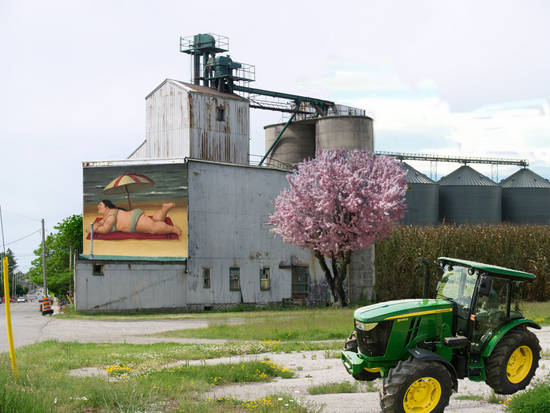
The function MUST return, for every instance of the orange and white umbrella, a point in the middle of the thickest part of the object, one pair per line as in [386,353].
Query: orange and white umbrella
[127,183]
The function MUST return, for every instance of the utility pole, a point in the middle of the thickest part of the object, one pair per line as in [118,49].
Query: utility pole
[44,259]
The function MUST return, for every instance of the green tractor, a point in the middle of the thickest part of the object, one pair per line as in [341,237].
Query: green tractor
[421,347]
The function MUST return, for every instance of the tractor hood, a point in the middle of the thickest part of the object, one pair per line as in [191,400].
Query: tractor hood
[401,308]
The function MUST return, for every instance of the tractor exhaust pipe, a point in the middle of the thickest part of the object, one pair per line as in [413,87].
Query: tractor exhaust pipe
[425,292]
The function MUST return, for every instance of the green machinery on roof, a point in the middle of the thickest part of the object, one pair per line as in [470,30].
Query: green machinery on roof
[227,76]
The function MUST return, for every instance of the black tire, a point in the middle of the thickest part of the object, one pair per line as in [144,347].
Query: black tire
[496,365]
[396,385]
[351,345]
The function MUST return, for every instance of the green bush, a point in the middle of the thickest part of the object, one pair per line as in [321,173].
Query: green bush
[399,269]
[536,399]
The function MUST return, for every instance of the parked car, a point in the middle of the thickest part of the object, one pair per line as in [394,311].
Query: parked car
[21,300]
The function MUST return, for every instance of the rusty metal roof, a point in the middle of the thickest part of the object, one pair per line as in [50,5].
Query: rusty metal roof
[414,176]
[466,176]
[190,87]
[525,178]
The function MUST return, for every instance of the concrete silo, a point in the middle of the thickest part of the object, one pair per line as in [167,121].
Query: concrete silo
[296,144]
[351,132]
[468,197]
[348,132]
[526,198]
[422,198]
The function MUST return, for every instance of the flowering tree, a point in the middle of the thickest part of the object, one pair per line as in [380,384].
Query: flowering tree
[341,201]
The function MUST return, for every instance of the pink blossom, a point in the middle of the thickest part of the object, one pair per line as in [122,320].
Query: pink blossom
[341,201]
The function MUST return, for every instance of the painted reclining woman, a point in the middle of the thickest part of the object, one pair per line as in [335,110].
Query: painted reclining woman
[119,219]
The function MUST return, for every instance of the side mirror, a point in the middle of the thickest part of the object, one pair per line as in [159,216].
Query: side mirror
[485,285]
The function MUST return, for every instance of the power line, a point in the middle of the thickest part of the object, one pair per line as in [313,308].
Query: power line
[22,238]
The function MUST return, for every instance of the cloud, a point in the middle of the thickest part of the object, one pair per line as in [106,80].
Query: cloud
[414,118]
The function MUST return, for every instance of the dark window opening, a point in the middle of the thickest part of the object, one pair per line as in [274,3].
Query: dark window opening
[220,113]
[206,278]
[234,279]
[97,269]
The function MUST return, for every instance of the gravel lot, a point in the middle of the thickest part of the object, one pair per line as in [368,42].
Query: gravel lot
[312,368]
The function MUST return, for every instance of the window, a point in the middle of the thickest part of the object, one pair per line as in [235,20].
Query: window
[97,269]
[234,279]
[206,278]
[265,278]
[220,113]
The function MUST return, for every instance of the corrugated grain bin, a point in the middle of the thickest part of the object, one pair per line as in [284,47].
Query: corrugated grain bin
[469,197]
[526,198]
[296,144]
[422,198]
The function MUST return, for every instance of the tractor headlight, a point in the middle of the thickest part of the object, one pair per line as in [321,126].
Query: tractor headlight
[365,326]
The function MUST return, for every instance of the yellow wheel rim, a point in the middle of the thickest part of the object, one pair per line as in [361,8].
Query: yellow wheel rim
[422,396]
[519,364]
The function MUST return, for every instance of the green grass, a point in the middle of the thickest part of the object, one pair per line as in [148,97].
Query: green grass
[469,397]
[536,399]
[317,324]
[136,381]
[332,388]
[537,311]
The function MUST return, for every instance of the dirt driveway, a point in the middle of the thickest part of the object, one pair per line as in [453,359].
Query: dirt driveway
[311,368]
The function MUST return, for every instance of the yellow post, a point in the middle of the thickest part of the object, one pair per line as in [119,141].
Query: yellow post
[8,318]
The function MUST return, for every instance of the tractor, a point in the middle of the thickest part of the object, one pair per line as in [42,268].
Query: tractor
[420,347]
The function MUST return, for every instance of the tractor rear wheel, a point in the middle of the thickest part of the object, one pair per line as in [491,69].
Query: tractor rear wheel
[365,375]
[415,386]
[513,362]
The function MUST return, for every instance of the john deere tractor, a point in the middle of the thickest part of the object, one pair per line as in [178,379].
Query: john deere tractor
[421,347]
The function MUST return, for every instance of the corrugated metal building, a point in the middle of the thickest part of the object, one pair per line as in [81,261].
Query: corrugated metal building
[526,198]
[422,198]
[231,258]
[188,120]
[469,197]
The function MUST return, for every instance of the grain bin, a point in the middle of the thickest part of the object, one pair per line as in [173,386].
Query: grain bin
[296,144]
[348,132]
[468,197]
[526,198]
[422,198]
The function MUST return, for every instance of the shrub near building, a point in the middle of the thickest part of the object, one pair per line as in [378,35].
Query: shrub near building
[400,272]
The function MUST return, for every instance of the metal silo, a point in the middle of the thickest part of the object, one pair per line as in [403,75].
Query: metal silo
[526,198]
[468,197]
[349,132]
[422,198]
[296,144]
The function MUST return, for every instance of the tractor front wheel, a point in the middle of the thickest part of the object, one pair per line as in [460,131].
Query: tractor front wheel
[513,362]
[415,386]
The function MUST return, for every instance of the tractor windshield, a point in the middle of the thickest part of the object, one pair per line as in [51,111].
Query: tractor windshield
[457,284]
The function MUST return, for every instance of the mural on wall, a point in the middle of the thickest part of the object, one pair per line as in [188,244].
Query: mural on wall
[136,210]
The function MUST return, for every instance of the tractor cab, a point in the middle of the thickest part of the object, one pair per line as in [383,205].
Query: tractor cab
[484,297]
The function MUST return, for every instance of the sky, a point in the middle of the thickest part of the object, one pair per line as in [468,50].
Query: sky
[465,78]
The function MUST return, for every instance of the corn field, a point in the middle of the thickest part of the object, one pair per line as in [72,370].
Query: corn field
[400,272]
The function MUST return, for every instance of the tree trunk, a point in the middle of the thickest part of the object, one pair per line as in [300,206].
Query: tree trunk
[336,277]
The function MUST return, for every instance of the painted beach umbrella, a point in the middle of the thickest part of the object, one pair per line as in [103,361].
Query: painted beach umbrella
[124,184]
